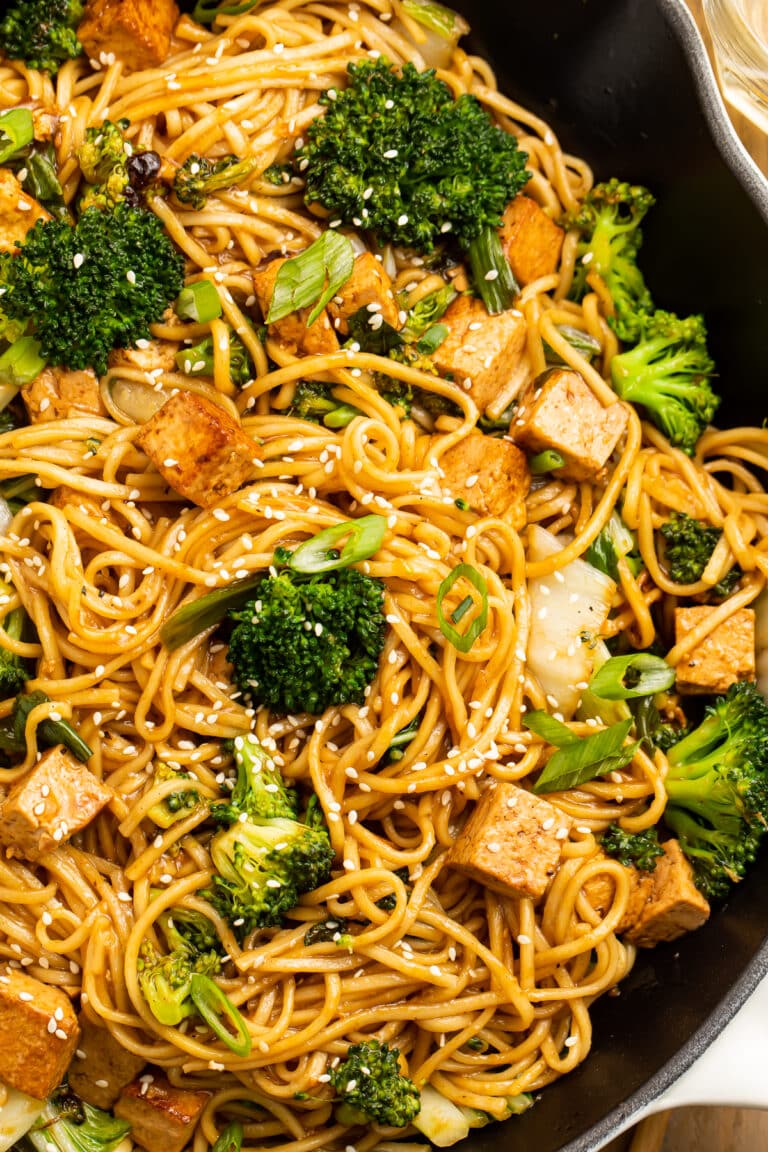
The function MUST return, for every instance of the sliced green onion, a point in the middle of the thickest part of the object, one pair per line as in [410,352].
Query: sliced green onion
[463,640]
[312,277]
[21,363]
[628,677]
[585,344]
[492,276]
[199,301]
[206,11]
[342,416]
[320,554]
[16,131]
[49,732]
[546,461]
[581,760]
[230,1139]
[428,310]
[218,1011]
[42,181]
[552,730]
[197,360]
[432,339]
[199,615]
[461,610]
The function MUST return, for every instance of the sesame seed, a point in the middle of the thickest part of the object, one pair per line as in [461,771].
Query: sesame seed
[492,274]
[523,939]
[78,260]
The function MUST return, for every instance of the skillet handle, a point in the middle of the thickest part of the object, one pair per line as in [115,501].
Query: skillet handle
[732,1071]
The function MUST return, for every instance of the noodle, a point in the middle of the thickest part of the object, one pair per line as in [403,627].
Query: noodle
[99,572]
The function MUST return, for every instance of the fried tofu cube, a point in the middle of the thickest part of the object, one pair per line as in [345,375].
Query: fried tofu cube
[369,287]
[292,331]
[561,412]
[490,474]
[152,354]
[480,348]
[512,842]
[162,1117]
[40,1034]
[664,904]
[56,799]
[101,1066]
[531,240]
[726,655]
[198,448]
[63,394]
[137,32]
[18,212]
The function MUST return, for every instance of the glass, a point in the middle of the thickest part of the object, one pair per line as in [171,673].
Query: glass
[739,31]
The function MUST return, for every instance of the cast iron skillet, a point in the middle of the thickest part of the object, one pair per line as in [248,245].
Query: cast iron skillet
[617,79]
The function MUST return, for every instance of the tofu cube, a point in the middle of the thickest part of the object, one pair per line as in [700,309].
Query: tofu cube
[480,348]
[18,212]
[562,412]
[531,240]
[137,32]
[40,1034]
[198,448]
[292,331]
[664,904]
[62,394]
[726,655]
[162,1117]
[56,799]
[151,356]
[101,1067]
[369,284]
[490,474]
[512,842]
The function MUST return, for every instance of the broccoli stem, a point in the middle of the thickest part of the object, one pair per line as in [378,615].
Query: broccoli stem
[491,274]
[20,364]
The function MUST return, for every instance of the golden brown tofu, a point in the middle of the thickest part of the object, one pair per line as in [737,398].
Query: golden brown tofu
[162,1117]
[198,448]
[599,890]
[562,412]
[512,842]
[292,331]
[18,212]
[369,287]
[148,357]
[56,799]
[482,349]
[136,32]
[726,655]
[45,120]
[490,474]
[62,394]
[101,1067]
[40,1033]
[665,903]
[531,240]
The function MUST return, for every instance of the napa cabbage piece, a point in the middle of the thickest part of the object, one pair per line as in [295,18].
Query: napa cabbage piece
[567,612]
[18,1113]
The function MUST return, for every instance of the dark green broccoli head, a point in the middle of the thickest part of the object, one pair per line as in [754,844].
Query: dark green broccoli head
[198,359]
[640,849]
[305,643]
[372,1089]
[199,178]
[92,287]
[166,981]
[395,153]
[668,372]
[688,546]
[610,218]
[262,869]
[42,33]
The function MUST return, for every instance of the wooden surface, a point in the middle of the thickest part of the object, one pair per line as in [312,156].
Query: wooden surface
[707,1129]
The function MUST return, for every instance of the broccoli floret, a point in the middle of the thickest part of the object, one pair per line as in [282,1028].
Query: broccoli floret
[42,33]
[668,374]
[92,287]
[717,788]
[688,546]
[398,152]
[259,788]
[305,643]
[610,219]
[13,670]
[197,360]
[315,402]
[103,158]
[263,867]
[640,849]
[189,930]
[176,805]
[68,1124]
[372,1089]
[199,178]
[331,931]
[428,311]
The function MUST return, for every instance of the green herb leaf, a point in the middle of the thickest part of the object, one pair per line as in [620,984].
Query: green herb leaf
[463,640]
[550,729]
[584,759]
[312,277]
[362,538]
[627,677]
